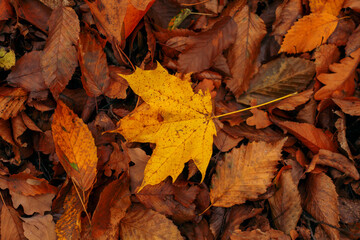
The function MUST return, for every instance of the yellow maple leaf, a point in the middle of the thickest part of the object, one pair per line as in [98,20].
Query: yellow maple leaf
[309,32]
[175,118]
[326,6]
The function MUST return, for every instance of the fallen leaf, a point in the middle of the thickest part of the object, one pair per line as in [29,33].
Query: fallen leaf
[326,6]
[309,32]
[349,210]
[353,4]
[199,231]
[7,58]
[27,73]
[342,32]
[353,42]
[286,203]
[202,49]
[257,234]
[11,225]
[53,4]
[349,106]
[289,104]
[134,13]
[6,10]
[224,141]
[140,158]
[245,174]
[279,78]
[92,60]
[337,161]
[5,131]
[59,59]
[312,137]
[321,202]
[74,146]
[111,208]
[341,82]
[183,131]
[118,162]
[259,119]
[324,56]
[340,125]
[118,85]
[68,226]
[11,101]
[39,227]
[243,53]
[146,224]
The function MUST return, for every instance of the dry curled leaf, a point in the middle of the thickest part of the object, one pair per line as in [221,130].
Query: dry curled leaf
[11,101]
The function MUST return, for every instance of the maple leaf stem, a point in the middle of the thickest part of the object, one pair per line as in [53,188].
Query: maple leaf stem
[256,106]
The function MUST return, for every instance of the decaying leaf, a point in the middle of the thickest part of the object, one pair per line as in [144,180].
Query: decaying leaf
[39,227]
[326,6]
[324,56]
[309,32]
[349,106]
[341,82]
[243,53]
[286,203]
[354,41]
[279,78]
[245,173]
[11,226]
[321,202]
[257,234]
[11,101]
[176,119]
[59,59]
[146,224]
[74,146]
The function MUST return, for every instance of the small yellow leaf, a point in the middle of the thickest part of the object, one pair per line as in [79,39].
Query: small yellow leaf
[309,32]
[326,6]
[175,118]
[7,59]
[75,146]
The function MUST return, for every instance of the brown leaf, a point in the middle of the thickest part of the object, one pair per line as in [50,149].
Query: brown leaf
[354,4]
[11,225]
[6,10]
[199,231]
[349,210]
[57,3]
[68,226]
[286,203]
[312,137]
[286,14]
[259,119]
[118,162]
[140,158]
[27,73]
[111,208]
[289,104]
[109,17]
[257,234]
[321,202]
[341,82]
[5,131]
[324,56]
[11,102]
[34,12]
[146,224]
[118,85]
[338,161]
[243,54]
[39,228]
[342,32]
[353,42]
[329,6]
[340,125]
[203,48]
[224,141]
[92,60]
[59,59]
[18,128]
[349,106]
[245,174]
[74,146]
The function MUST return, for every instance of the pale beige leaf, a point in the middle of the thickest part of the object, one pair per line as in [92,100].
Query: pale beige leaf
[246,173]
[326,6]
[341,82]
[59,59]
[309,32]
[322,203]
[243,53]
[33,204]
[39,228]
[286,203]
[145,224]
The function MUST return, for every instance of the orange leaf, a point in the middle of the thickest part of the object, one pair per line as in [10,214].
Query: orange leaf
[341,82]
[134,13]
[11,101]
[59,59]
[309,32]
[259,119]
[349,106]
[326,6]
[246,173]
[74,146]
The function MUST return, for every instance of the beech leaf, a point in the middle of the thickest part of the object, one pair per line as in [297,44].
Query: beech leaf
[175,118]
[11,101]
[278,78]
[326,6]
[309,32]
[245,173]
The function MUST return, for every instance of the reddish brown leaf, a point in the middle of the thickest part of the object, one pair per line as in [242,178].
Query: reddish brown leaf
[18,128]
[6,11]
[118,85]
[113,203]
[5,131]
[342,32]
[224,141]
[259,119]
[259,235]
[349,210]
[11,102]
[33,11]
[354,4]
[324,56]
[200,231]
[93,64]
[11,225]
[134,13]
[243,54]
[39,227]
[59,59]
[285,204]
[146,224]
[291,103]
[321,202]
[203,48]
[349,106]
[312,137]
[27,73]
[340,125]
[118,162]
